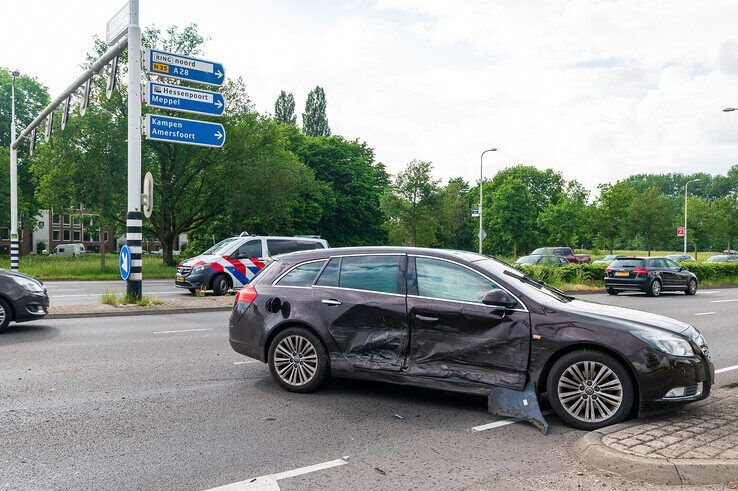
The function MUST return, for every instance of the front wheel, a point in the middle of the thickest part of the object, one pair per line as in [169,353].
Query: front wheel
[220,285]
[298,361]
[590,389]
[691,287]
[5,315]
[654,290]
[612,291]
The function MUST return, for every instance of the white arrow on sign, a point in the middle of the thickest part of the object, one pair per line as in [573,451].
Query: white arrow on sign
[218,135]
[219,74]
[124,266]
[218,104]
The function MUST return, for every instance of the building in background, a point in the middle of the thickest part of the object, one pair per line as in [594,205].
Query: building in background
[68,227]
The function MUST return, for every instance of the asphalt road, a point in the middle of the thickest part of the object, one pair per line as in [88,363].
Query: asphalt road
[88,292]
[162,402]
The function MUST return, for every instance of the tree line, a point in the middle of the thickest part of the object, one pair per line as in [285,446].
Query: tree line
[274,177]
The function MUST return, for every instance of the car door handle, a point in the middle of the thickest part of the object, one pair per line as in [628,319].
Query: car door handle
[426,318]
[331,301]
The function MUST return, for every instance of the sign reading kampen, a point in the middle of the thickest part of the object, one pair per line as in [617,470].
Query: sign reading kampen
[188,131]
[184,67]
[184,99]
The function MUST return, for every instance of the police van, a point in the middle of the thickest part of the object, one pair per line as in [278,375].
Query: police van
[233,262]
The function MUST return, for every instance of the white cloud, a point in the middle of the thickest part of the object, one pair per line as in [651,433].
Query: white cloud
[594,89]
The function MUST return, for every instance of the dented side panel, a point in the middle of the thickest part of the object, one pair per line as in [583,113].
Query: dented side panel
[468,342]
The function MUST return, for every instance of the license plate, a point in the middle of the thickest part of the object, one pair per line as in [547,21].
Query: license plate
[180,280]
[622,273]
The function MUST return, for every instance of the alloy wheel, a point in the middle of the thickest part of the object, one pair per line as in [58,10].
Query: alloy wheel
[295,360]
[590,391]
[692,287]
[3,314]
[656,288]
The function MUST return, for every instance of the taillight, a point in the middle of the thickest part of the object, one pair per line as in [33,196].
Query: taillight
[640,270]
[247,294]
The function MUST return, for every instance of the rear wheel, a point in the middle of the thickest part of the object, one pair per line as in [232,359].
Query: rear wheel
[5,315]
[654,289]
[193,290]
[221,284]
[590,389]
[691,287]
[298,361]
[613,291]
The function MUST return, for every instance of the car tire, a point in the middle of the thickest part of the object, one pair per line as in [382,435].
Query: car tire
[654,288]
[193,291]
[298,361]
[221,284]
[6,314]
[691,287]
[612,291]
[577,394]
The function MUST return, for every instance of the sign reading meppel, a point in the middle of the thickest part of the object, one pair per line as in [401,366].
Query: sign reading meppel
[185,99]
[188,131]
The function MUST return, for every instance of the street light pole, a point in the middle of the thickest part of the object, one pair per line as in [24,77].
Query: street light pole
[13,183]
[686,185]
[481,181]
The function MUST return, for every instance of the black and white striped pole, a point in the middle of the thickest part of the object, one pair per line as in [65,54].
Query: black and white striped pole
[134,225]
[13,184]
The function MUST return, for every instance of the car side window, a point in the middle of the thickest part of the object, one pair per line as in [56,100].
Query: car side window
[445,280]
[373,273]
[281,246]
[671,264]
[563,252]
[329,276]
[304,245]
[302,275]
[249,249]
[563,261]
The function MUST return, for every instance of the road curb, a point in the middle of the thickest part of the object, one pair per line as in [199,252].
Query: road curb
[594,453]
[127,313]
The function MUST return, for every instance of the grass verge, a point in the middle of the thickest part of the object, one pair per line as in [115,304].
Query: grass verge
[85,268]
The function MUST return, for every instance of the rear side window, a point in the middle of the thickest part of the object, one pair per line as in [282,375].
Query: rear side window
[302,275]
[303,245]
[373,273]
[626,263]
[449,281]
[564,251]
[329,277]
[281,246]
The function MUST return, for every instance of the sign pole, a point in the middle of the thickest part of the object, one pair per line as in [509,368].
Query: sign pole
[13,185]
[134,225]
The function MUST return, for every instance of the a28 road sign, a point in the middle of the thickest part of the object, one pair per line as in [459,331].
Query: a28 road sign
[180,130]
[184,68]
[184,99]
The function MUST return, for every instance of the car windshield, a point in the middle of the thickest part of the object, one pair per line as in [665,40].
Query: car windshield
[541,251]
[627,263]
[609,257]
[531,287]
[529,259]
[220,246]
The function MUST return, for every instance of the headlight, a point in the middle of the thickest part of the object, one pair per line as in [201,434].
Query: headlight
[30,285]
[199,268]
[668,343]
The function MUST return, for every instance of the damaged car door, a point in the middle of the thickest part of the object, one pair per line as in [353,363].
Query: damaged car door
[363,303]
[455,336]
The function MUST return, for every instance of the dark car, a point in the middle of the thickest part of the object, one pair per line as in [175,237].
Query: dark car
[541,260]
[651,275]
[722,259]
[22,298]
[464,322]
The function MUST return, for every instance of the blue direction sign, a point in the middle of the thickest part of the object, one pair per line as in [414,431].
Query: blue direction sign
[180,130]
[124,262]
[184,67]
[184,99]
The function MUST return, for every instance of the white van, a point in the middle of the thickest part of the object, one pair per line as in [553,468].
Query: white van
[69,250]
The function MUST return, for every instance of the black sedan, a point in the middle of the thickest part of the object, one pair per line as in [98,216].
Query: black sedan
[22,298]
[464,322]
[651,275]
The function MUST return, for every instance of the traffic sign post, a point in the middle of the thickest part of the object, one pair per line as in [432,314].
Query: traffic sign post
[124,262]
[188,131]
[184,99]
[187,68]
[680,231]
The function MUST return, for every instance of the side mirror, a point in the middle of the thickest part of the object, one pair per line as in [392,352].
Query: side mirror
[499,298]
[681,268]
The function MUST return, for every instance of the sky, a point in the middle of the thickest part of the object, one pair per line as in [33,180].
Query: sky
[596,90]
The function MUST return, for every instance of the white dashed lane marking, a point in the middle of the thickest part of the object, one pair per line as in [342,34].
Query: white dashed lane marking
[269,482]
[503,422]
[181,330]
[727,369]
[726,300]
[705,313]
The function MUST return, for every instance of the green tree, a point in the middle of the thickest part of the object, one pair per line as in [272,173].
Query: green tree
[284,108]
[698,223]
[456,226]
[411,206]
[314,119]
[509,222]
[649,218]
[610,217]
[724,221]
[352,184]
[564,222]
[30,98]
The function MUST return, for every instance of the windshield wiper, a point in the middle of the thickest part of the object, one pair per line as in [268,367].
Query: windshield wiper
[538,284]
